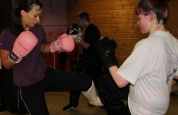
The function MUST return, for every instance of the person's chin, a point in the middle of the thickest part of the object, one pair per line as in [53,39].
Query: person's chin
[143,32]
[33,25]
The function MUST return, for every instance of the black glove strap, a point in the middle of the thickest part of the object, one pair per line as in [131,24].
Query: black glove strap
[14,57]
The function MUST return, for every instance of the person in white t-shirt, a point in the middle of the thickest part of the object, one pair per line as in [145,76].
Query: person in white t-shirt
[148,71]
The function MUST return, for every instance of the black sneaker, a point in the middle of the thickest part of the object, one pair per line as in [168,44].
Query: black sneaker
[69,107]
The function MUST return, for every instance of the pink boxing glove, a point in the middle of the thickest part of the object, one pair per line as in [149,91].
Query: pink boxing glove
[64,43]
[23,45]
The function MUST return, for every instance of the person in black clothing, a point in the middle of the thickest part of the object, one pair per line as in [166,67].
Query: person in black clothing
[90,64]
[2,104]
[20,50]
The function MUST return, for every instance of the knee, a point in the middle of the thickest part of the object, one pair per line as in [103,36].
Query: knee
[87,82]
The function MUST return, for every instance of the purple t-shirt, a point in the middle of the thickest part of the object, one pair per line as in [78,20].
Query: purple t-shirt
[32,67]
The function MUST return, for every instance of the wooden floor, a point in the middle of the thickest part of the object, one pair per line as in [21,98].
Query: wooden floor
[57,100]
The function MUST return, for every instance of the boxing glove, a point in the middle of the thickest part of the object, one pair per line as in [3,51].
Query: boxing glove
[79,35]
[64,43]
[79,29]
[76,32]
[105,50]
[23,45]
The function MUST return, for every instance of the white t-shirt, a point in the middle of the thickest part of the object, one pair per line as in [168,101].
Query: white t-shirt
[150,70]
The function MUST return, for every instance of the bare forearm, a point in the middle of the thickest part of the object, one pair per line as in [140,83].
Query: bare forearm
[84,44]
[45,48]
[119,80]
[6,62]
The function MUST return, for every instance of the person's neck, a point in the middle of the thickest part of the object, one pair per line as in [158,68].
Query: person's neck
[87,24]
[158,27]
[27,28]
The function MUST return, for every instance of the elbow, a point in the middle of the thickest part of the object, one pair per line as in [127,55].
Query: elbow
[7,67]
[122,84]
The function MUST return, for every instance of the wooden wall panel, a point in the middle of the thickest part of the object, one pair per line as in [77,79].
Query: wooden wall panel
[116,19]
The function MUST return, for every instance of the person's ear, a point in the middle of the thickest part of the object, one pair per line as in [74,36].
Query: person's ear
[151,16]
[22,12]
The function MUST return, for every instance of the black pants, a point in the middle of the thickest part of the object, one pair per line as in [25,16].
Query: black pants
[12,100]
[112,97]
[2,104]
[33,96]
[94,74]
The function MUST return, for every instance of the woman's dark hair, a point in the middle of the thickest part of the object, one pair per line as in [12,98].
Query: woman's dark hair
[159,7]
[83,15]
[25,5]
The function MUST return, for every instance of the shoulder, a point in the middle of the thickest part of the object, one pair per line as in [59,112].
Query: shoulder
[37,29]
[39,32]
[39,26]
[6,33]
[151,40]
[93,27]
[7,39]
[153,43]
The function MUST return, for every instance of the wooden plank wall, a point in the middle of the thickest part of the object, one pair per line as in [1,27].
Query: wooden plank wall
[116,19]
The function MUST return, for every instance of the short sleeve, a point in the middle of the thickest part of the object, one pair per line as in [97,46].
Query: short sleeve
[6,40]
[135,65]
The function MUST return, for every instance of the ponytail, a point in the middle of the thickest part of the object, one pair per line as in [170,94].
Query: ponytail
[17,27]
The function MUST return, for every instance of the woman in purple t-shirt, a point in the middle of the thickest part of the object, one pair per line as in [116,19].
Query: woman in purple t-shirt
[30,73]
